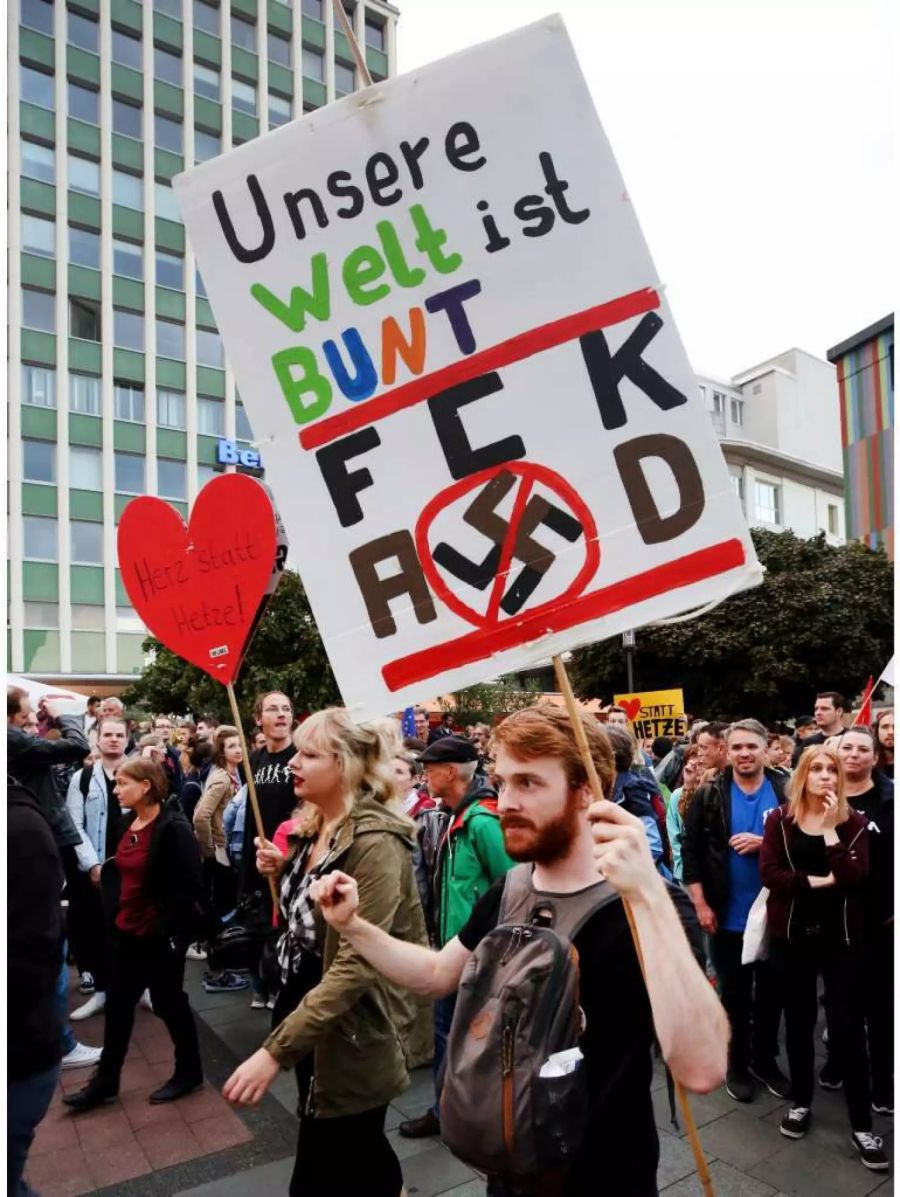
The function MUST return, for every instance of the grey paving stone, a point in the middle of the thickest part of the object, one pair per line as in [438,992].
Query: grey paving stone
[740,1140]
[675,1160]
[419,1096]
[256,1182]
[406,1148]
[816,1173]
[434,1172]
[727,1182]
[471,1188]
[705,1107]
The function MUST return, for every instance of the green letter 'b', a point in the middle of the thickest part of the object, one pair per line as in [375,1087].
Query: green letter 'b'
[310,382]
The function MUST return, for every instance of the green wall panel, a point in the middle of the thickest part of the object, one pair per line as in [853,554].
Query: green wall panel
[41,651]
[377,62]
[207,114]
[126,82]
[128,365]
[38,272]
[279,17]
[244,127]
[170,375]
[210,382]
[127,152]
[86,504]
[84,282]
[85,356]
[39,422]
[126,13]
[313,32]
[91,6]
[170,304]
[166,164]
[87,584]
[84,210]
[37,197]
[314,93]
[167,30]
[169,235]
[85,430]
[128,293]
[122,599]
[207,48]
[38,347]
[38,500]
[131,438]
[342,48]
[129,653]
[40,581]
[170,443]
[181,508]
[280,79]
[88,651]
[168,98]
[83,137]
[245,8]
[128,223]
[206,450]
[204,314]
[120,502]
[38,123]
[35,48]
[244,64]
[82,65]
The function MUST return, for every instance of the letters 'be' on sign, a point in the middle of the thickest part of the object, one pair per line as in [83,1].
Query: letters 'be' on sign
[655,713]
[479,423]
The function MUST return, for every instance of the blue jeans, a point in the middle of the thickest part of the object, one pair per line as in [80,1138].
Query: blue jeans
[69,1042]
[443,1018]
[27,1102]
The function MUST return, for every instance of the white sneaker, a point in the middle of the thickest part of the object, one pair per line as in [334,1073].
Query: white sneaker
[94,1005]
[196,951]
[270,1004]
[145,1000]
[81,1056]
[257,1002]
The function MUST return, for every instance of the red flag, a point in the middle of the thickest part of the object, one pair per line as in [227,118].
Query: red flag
[864,718]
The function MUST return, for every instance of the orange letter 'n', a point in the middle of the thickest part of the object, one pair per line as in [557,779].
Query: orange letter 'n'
[394,343]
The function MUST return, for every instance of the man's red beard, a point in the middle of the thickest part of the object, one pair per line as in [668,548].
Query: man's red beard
[545,844]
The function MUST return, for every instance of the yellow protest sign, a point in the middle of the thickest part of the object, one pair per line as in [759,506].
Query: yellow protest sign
[655,713]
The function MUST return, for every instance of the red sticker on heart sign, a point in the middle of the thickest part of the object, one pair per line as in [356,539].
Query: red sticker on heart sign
[198,587]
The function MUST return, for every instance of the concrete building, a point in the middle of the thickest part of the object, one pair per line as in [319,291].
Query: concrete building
[117,380]
[865,377]
[780,433]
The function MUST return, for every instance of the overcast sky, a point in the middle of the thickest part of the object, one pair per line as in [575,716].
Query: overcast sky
[755,138]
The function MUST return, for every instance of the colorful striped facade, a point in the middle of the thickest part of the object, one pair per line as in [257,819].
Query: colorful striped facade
[865,375]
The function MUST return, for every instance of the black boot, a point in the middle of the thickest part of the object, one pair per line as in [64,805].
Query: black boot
[98,1090]
[176,1086]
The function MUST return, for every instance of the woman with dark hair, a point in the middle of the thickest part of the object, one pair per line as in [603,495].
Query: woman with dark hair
[336,1020]
[884,738]
[676,812]
[152,891]
[815,861]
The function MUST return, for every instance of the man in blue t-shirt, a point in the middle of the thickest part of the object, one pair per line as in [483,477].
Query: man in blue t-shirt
[720,857]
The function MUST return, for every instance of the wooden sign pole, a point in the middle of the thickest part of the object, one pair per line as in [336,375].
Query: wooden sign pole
[251,784]
[347,29]
[565,688]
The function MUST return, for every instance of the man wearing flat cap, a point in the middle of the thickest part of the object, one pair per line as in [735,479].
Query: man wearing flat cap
[470,858]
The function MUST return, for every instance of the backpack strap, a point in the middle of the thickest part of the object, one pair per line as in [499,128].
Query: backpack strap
[517,894]
[565,913]
[84,781]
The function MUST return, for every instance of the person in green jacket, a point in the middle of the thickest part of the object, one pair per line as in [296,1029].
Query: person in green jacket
[470,858]
[336,1020]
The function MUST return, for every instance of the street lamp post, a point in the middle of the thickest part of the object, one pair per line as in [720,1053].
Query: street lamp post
[628,645]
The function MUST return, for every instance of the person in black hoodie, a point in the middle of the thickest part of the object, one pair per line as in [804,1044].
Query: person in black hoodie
[34,947]
[152,889]
[30,759]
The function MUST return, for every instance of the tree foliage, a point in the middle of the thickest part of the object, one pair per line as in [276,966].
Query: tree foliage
[821,620]
[488,701]
[286,653]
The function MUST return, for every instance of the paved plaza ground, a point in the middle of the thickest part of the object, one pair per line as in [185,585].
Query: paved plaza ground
[201,1147]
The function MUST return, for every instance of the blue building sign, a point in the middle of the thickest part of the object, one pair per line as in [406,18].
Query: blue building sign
[229,453]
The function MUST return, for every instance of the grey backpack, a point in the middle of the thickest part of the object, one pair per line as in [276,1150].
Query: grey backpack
[518,1004]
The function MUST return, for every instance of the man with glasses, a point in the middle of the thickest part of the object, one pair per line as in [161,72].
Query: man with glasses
[163,727]
[274,714]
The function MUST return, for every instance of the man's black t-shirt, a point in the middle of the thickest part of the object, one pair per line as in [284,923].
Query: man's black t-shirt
[621,1147]
[277,802]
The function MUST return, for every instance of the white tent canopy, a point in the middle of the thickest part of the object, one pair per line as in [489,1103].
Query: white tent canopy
[37,691]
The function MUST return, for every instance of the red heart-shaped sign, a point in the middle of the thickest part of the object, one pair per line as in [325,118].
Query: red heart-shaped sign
[198,588]
[631,706]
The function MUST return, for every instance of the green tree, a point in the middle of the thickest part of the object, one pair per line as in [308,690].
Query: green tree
[821,620]
[487,701]
[286,653]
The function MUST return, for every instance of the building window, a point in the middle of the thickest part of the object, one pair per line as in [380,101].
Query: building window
[206,473]
[84,395]
[166,203]
[41,615]
[768,502]
[166,65]
[171,478]
[171,8]
[243,96]
[211,417]
[83,33]
[169,270]
[168,133]
[84,248]
[86,542]
[129,471]
[84,175]
[128,259]
[243,34]
[37,14]
[126,49]
[199,285]
[36,87]
[206,145]
[242,429]
[314,64]
[833,519]
[279,110]
[126,119]
[206,18]
[38,461]
[128,330]
[209,349]
[312,8]
[38,162]
[84,319]
[127,620]
[129,402]
[718,403]
[39,236]
[41,537]
[737,413]
[88,618]
[85,467]
[375,35]
[344,79]
[702,390]
[170,340]
[38,386]
[757,388]
[170,409]
[38,310]
[738,483]
[84,104]
[206,82]
[128,190]
[279,49]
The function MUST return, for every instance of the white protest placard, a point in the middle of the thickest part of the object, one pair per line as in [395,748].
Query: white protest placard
[476,414]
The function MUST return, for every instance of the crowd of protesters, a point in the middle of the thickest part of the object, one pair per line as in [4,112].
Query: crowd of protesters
[386,864]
